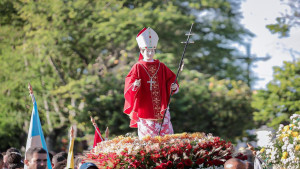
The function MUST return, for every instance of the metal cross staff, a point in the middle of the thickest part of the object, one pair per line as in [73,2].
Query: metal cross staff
[179,68]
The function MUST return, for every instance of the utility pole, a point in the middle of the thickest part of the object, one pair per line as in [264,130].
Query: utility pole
[250,59]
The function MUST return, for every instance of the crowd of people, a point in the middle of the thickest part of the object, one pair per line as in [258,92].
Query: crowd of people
[36,158]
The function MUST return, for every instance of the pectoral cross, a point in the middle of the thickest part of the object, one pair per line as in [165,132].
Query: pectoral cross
[151,82]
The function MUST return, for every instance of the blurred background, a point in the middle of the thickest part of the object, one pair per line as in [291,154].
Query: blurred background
[77,53]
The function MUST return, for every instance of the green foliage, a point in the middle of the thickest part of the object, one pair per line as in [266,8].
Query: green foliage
[216,106]
[280,27]
[289,19]
[281,99]
[76,55]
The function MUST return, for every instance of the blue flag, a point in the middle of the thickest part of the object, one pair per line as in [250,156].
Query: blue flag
[35,133]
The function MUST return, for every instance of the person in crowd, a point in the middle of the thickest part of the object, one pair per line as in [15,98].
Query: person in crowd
[1,161]
[36,158]
[234,163]
[14,160]
[8,151]
[88,166]
[59,157]
[60,165]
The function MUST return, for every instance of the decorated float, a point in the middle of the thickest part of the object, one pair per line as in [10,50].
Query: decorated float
[196,150]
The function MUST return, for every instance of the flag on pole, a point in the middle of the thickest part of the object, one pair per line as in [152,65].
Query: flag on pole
[97,137]
[70,162]
[35,133]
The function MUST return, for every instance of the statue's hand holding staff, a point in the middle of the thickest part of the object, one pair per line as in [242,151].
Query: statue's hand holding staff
[174,86]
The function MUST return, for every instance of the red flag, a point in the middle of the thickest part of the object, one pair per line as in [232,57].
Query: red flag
[98,137]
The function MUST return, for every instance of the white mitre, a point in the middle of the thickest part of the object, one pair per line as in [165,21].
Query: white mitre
[147,39]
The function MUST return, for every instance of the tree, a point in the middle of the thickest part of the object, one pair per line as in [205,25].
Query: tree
[213,106]
[281,99]
[288,19]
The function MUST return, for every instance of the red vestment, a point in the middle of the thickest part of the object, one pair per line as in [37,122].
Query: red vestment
[142,102]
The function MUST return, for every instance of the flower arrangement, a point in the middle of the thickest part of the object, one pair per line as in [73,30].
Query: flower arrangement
[283,152]
[196,150]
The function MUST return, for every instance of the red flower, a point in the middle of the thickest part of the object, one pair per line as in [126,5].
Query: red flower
[180,165]
[142,153]
[218,162]
[189,146]
[169,164]
[136,164]
[210,163]
[188,162]
[200,161]
[157,155]
[163,165]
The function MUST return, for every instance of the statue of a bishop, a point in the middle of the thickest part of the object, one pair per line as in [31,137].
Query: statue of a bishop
[148,86]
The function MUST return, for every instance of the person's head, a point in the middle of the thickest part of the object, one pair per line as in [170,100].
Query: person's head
[148,54]
[60,165]
[88,166]
[19,165]
[8,151]
[77,162]
[14,160]
[12,149]
[36,158]
[249,165]
[234,163]
[1,161]
[61,156]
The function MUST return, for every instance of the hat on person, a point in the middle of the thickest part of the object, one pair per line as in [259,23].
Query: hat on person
[147,38]
[87,165]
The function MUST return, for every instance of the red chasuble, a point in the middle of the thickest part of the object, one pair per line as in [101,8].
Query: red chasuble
[149,101]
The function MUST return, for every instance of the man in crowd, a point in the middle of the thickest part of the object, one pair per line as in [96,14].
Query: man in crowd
[14,161]
[36,158]
[59,157]
[8,151]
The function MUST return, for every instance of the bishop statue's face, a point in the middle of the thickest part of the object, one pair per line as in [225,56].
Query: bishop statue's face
[148,54]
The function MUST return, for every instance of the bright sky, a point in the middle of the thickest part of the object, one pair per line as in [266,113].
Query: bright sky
[257,14]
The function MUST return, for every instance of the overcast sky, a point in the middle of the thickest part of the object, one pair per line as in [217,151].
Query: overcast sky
[257,14]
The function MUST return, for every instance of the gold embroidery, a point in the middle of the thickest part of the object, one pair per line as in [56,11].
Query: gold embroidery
[155,92]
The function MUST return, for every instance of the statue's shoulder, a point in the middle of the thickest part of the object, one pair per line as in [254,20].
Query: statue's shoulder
[161,63]
[136,66]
